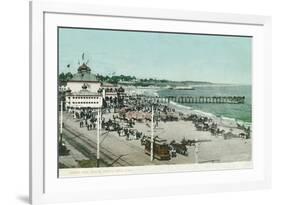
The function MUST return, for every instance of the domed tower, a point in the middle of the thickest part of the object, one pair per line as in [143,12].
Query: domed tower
[83,76]
[84,68]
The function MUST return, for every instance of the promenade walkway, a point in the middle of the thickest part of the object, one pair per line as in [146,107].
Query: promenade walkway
[115,150]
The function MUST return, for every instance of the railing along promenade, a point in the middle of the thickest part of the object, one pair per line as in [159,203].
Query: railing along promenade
[195,99]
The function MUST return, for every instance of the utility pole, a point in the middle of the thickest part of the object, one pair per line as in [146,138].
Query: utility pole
[152,132]
[98,138]
[196,152]
[61,121]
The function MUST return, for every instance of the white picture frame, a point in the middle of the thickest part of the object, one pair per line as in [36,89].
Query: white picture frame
[46,187]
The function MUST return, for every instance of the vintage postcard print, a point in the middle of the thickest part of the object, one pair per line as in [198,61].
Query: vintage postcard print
[151,99]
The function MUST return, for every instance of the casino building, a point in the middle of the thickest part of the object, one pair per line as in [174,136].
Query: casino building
[84,90]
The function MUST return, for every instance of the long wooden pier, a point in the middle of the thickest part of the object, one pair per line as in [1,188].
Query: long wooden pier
[195,99]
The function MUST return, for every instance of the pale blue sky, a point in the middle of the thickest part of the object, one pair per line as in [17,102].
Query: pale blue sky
[218,59]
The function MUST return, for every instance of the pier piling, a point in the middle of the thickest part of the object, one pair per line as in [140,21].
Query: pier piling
[196,99]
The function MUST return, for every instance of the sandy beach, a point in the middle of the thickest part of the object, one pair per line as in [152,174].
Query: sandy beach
[131,153]
[214,149]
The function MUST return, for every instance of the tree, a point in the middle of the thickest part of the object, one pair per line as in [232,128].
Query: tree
[68,76]
[61,76]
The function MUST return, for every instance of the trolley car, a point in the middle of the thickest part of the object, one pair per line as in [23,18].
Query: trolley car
[160,148]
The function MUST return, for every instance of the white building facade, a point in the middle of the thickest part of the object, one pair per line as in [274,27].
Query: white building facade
[83,99]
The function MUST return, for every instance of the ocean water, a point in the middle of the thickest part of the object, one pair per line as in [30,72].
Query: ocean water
[238,112]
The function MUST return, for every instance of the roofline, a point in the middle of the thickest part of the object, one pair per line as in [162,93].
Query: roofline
[84,81]
[73,94]
[110,86]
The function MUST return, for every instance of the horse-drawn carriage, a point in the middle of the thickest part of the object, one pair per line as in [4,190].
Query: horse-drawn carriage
[179,148]
[111,125]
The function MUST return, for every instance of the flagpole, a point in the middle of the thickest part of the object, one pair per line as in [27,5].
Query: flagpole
[152,132]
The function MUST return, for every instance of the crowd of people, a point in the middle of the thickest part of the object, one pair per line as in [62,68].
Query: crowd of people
[134,109]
